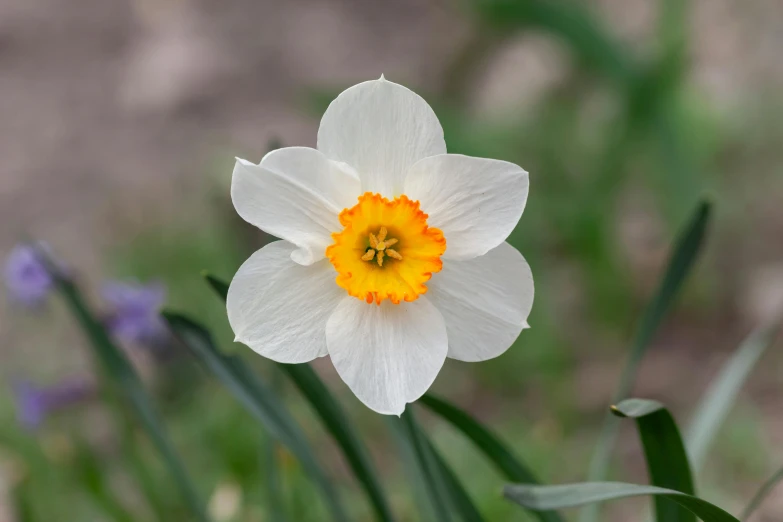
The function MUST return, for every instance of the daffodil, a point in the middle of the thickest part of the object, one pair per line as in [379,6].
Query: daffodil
[392,254]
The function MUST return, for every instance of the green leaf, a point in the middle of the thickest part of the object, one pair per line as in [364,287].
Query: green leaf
[680,265]
[437,492]
[218,285]
[444,490]
[762,493]
[682,261]
[570,21]
[574,495]
[259,400]
[414,479]
[717,401]
[667,462]
[334,419]
[509,465]
[460,499]
[123,377]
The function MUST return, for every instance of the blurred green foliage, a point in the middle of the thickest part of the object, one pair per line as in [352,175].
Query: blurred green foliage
[653,133]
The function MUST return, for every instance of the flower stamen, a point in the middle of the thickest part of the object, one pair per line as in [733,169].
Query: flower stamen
[386,250]
[379,247]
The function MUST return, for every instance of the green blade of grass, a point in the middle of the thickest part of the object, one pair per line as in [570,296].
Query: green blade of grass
[680,265]
[683,258]
[762,494]
[124,379]
[337,423]
[488,443]
[437,489]
[334,419]
[574,495]
[717,401]
[275,476]
[218,285]
[459,497]
[415,481]
[259,400]
[664,451]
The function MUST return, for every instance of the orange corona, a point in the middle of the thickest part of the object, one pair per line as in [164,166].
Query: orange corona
[386,250]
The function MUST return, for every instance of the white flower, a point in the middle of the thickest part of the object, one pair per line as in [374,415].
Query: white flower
[377,211]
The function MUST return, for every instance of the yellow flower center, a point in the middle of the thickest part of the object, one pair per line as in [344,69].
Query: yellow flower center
[367,265]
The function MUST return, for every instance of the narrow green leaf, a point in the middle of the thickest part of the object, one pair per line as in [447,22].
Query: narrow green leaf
[218,285]
[334,419]
[122,375]
[488,443]
[460,499]
[259,400]
[414,479]
[762,493]
[667,462]
[485,440]
[436,488]
[275,476]
[680,265]
[717,401]
[270,463]
[574,495]
[682,261]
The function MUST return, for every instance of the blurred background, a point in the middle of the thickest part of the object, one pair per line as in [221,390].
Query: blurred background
[120,123]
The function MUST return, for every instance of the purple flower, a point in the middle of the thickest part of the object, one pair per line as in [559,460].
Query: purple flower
[134,312]
[26,277]
[34,404]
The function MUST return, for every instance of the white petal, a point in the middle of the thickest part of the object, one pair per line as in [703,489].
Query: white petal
[279,308]
[485,302]
[295,194]
[380,128]
[388,355]
[476,202]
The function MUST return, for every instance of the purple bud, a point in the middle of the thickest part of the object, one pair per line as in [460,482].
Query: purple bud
[34,404]
[26,277]
[134,314]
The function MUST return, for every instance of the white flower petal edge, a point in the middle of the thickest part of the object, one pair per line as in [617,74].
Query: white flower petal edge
[388,355]
[476,202]
[279,308]
[485,302]
[295,194]
[380,128]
